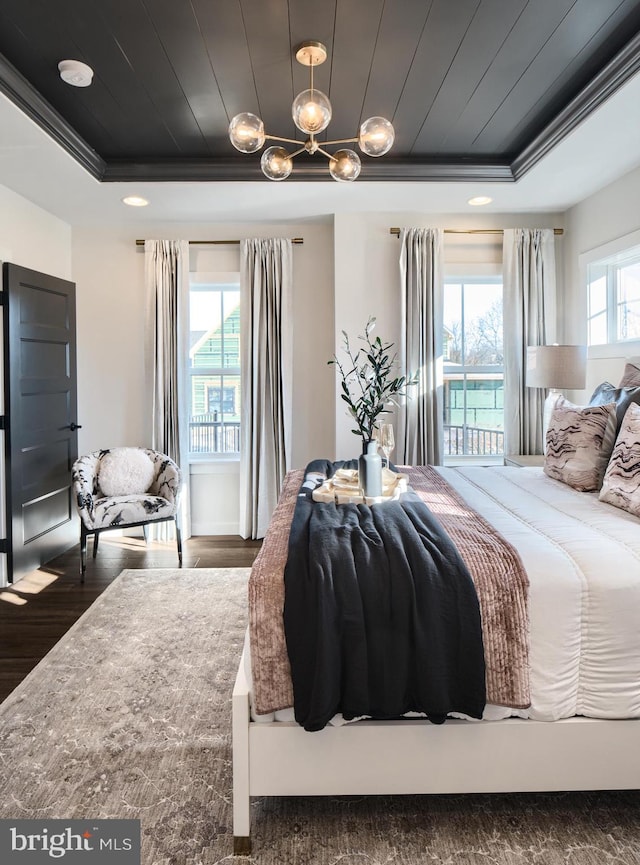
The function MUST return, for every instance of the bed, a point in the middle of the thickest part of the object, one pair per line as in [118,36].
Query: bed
[580,732]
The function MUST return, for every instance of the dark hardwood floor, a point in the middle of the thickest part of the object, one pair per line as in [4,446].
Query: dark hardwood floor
[38,609]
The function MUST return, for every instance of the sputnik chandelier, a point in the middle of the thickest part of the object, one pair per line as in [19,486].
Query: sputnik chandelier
[311,112]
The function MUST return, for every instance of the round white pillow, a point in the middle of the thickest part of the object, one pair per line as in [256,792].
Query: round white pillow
[125,471]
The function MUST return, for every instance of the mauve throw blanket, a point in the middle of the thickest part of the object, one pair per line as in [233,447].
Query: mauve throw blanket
[493,564]
[381,616]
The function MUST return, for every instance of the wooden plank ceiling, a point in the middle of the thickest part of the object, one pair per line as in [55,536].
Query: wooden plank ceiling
[474,88]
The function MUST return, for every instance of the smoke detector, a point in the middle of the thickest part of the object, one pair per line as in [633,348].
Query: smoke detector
[75,73]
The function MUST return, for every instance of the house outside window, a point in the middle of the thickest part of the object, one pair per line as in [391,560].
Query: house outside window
[221,400]
[473,369]
[214,366]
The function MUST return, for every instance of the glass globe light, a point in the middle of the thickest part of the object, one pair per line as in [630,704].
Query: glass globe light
[376,136]
[344,165]
[246,132]
[276,163]
[311,111]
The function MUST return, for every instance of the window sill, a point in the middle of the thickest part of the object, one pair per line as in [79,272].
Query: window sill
[622,348]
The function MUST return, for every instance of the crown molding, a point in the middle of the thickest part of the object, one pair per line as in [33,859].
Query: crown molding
[23,94]
[248,169]
[613,76]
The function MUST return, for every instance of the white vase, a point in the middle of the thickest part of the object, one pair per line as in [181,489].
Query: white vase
[370,471]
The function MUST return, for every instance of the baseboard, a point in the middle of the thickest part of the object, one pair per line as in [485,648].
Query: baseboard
[206,527]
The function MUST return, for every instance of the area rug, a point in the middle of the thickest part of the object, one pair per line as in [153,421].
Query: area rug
[129,716]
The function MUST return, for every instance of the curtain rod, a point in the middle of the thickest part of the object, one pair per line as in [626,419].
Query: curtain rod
[397,231]
[218,242]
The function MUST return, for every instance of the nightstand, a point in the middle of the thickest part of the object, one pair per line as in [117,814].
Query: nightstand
[522,460]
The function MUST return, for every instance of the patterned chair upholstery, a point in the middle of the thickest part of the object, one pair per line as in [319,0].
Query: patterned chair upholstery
[100,512]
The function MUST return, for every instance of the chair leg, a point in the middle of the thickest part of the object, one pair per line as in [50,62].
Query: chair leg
[179,542]
[83,552]
[145,533]
[95,544]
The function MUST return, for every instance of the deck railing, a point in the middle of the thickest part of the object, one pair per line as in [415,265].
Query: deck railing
[210,436]
[472,441]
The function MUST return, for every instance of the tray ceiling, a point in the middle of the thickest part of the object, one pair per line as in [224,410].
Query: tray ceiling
[476,89]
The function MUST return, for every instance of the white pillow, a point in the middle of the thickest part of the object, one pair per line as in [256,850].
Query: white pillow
[125,471]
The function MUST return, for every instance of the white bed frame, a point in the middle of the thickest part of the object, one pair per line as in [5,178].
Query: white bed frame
[387,757]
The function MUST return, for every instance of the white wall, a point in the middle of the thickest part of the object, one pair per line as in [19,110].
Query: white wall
[603,217]
[33,238]
[113,396]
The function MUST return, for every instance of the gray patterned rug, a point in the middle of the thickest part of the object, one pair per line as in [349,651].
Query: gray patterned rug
[129,716]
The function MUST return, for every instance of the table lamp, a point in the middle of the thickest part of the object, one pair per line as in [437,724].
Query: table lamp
[555,368]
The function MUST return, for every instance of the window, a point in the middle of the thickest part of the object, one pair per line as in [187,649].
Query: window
[214,364]
[221,400]
[613,294]
[473,367]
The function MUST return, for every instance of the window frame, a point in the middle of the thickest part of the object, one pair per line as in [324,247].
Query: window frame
[468,274]
[203,280]
[612,256]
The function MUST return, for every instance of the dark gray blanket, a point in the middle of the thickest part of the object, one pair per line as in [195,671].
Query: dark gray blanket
[381,616]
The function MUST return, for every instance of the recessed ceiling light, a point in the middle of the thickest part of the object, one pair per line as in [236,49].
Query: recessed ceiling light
[479,200]
[135,201]
[75,73]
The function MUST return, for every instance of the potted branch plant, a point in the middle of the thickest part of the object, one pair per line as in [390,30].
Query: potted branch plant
[369,382]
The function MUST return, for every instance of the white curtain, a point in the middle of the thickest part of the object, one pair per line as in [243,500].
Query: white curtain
[266,364]
[167,346]
[420,431]
[529,315]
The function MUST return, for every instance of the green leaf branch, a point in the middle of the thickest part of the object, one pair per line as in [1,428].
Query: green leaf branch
[368,380]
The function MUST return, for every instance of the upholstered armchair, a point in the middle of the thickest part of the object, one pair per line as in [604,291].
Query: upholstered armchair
[119,488]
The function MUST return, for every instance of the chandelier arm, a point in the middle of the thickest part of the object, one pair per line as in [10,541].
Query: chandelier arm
[280,138]
[324,153]
[297,152]
[342,141]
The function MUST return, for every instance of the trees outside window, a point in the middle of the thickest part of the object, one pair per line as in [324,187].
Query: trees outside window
[473,367]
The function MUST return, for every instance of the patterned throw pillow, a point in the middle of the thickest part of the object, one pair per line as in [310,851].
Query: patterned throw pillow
[579,442]
[621,485]
[630,376]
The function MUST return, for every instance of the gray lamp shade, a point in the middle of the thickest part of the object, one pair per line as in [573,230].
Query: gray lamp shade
[560,367]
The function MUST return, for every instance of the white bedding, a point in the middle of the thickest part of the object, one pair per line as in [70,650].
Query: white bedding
[582,557]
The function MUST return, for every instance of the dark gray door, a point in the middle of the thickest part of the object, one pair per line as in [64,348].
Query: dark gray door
[40,416]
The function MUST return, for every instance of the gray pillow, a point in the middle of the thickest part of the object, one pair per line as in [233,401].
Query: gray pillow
[621,485]
[621,396]
[579,443]
[630,376]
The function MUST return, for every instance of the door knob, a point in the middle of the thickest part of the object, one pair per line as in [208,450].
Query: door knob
[74,426]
